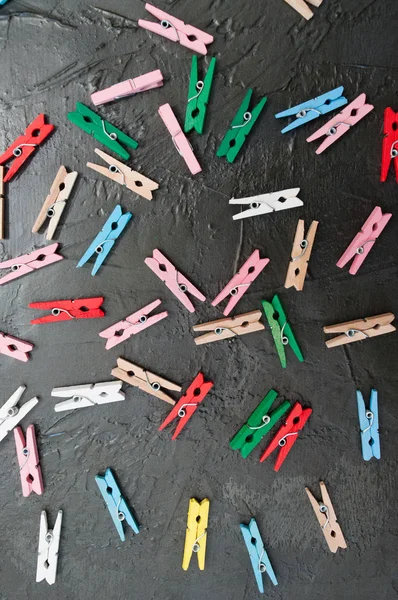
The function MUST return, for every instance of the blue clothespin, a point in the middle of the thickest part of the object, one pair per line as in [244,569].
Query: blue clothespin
[2,2]
[312,109]
[258,556]
[106,238]
[116,503]
[369,424]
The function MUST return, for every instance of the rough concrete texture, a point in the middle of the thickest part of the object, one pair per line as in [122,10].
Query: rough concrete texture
[54,53]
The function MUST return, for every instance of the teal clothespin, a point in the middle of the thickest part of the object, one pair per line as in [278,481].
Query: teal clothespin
[198,97]
[241,126]
[101,130]
[281,330]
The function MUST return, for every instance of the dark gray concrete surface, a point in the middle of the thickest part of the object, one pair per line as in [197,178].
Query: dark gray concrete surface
[54,53]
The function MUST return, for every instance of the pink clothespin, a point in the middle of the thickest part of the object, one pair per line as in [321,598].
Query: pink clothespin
[11,346]
[241,282]
[175,30]
[131,325]
[174,280]
[22,265]
[29,461]
[341,123]
[143,83]
[363,242]
[180,141]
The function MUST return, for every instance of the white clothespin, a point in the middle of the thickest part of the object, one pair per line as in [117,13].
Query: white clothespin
[268,203]
[90,394]
[11,414]
[47,558]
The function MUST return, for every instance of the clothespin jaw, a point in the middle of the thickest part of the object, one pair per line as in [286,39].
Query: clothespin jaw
[241,126]
[15,348]
[67,310]
[179,139]
[196,533]
[116,504]
[188,404]
[223,329]
[258,556]
[47,559]
[281,330]
[11,414]
[326,516]
[369,426]
[22,265]
[260,422]
[267,203]
[301,252]
[359,330]
[130,87]
[301,7]
[86,395]
[104,132]
[29,461]
[198,97]
[389,153]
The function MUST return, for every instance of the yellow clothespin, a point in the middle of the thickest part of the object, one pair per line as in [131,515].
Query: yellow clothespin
[196,535]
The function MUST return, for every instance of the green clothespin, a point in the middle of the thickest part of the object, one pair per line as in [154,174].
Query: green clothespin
[104,132]
[260,422]
[241,125]
[281,330]
[198,97]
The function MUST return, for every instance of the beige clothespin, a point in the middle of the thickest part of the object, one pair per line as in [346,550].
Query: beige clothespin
[301,252]
[356,331]
[326,516]
[144,380]
[55,202]
[121,173]
[223,329]
[301,7]
[2,203]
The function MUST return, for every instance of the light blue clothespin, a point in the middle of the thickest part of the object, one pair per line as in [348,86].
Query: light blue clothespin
[2,2]
[106,238]
[312,109]
[369,424]
[116,503]
[258,556]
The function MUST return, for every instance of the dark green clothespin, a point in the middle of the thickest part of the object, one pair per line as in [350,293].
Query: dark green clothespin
[101,130]
[198,97]
[260,422]
[241,125]
[281,330]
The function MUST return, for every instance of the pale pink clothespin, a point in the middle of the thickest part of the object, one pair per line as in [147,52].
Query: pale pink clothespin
[11,346]
[173,279]
[341,123]
[180,141]
[22,265]
[143,83]
[131,325]
[241,282]
[176,30]
[363,242]
[29,462]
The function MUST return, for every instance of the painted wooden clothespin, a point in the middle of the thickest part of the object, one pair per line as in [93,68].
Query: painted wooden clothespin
[47,558]
[25,145]
[131,325]
[341,123]
[105,240]
[363,242]
[145,380]
[361,329]
[88,394]
[2,205]
[300,255]
[104,132]
[223,329]
[281,330]
[369,425]
[122,174]
[301,7]
[14,347]
[260,422]
[176,30]
[116,504]
[177,283]
[267,203]
[389,152]
[196,533]
[241,125]
[326,516]
[287,434]
[66,310]
[187,404]
[312,109]
[129,87]
[29,461]
[258,556]
[198,96]
[241,282]
[179,139]
[27,263]
[11,414]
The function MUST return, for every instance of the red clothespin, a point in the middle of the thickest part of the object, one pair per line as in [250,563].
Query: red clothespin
[287,434]
[25,145]
[188,404]
[390,144]
[11,346]
[66,310]
[29,462]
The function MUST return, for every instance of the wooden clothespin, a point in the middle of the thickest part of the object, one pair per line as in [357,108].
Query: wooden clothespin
[301,7]
[28,461]
[326,516]
[301,252]
[2,204]
[47,559]
[198,96]
[116,503]
[196,534]
[281,329]
[369,426]
[257,553]
[223,329]
[356,331]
